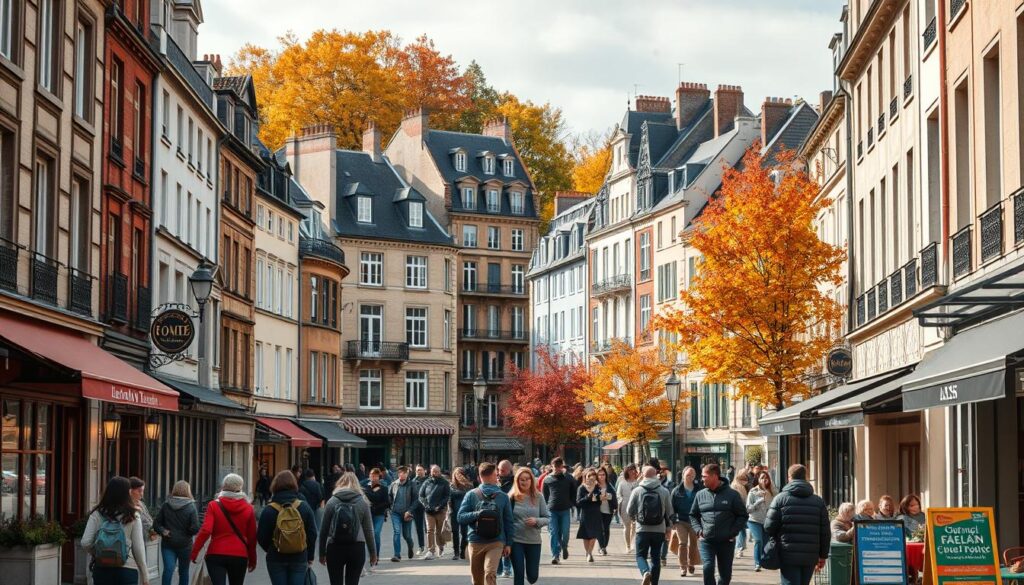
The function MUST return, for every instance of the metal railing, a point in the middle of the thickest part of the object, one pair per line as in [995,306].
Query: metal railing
[44,278]
[605,345]
[8,265]
[612,284]
[955,6]
[930,265]
[80,291]
[860,148]
[883,296]
[377,350]
[992,232]
[470,375]
[929,34]
[962,252]
[910,278]
[494,334]
[872,304]
[881,124]
[1018,217]
[321,249]
[861,310]
[117,298]
[896,287]
[894,108]
[908,86]
[494,288]
[871,137]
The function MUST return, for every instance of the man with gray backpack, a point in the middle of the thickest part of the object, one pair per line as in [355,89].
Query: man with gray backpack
[650,507]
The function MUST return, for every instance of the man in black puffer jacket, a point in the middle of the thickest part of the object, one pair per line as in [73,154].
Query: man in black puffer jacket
[717,516]
[798,521]
[560,494]
[434,494]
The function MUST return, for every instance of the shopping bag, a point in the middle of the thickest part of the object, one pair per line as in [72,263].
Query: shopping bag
[197,572]
[673,543]
[446,533]
[310,576]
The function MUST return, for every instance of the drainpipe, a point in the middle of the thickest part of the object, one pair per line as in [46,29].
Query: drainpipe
[851,273]
[940,30]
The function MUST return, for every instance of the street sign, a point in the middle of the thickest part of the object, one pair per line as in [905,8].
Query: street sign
[879,551]
[963,547]
[840,362]
[172,331]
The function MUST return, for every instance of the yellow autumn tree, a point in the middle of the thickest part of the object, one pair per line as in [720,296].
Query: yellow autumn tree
[628,395]
[592,157]
[757,314]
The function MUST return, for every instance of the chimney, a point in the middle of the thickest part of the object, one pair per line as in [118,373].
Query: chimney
[652,103]
[690,98]
[823,99]
[371,142]
[566,199]
[728,105]
[311,156]
[499,128]
[774,112]
[416,122]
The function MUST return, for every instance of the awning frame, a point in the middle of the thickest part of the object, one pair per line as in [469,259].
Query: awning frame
[281,426]
[977,295]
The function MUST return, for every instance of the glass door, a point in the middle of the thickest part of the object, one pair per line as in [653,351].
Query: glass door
[371,323]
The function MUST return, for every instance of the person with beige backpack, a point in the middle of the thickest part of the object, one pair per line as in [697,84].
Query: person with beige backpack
[287,532]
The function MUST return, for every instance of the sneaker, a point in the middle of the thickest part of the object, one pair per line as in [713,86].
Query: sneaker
[440,553]
[590,558]
[505,575]
[757,568]
[421,552]
[410,553]
[368,570]
[739,553]
[647,578]
[604,552]
[429,556]
[455,556]
[554,560]
[682,572]
[565,553]
[396,559]
[692,570]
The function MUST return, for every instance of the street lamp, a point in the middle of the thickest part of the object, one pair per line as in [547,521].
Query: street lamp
[588,408]
[111,425]
[672,386]
[479,389]
[201,283]
[153,428]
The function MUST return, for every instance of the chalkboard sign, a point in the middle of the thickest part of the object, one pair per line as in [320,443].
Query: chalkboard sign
[880,553]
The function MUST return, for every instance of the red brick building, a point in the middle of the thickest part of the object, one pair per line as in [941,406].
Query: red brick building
[127,211]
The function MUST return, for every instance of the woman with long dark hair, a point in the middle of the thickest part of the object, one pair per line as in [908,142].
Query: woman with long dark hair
[116,511]
[589,498]
[461,485]
[609,505]
[287,567]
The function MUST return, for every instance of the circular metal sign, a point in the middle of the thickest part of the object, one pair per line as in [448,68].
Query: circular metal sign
[172,331]
[840,362]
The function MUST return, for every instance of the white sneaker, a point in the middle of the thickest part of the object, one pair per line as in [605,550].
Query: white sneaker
[739,554]
[647,578]
[429,556]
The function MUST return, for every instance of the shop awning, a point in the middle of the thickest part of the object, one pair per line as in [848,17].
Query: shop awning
[502,444]
[332,432]
[286,428]
[970,367]
[883,398]
[200,394]
[793,420]
[104,377]
[385,425]
[981,300]
[616,445]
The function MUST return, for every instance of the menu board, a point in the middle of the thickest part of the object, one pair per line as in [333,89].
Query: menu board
[962,543]
[879,550]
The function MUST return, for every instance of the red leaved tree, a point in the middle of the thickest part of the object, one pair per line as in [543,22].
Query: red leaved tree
[542,404]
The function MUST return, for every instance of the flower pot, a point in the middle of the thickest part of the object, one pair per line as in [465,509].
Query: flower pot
[31,565]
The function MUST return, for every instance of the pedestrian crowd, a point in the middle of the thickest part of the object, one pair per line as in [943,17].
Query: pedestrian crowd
[491,516]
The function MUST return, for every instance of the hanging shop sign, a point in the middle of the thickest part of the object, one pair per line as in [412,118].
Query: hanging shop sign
[839,362]
[172,332]
[880,553]
[963,546]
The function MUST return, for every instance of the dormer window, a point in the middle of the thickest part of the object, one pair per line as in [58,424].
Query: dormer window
[488,165]
[416,214]
[364,210]
[508,167]
[468,198]
[516,203]
[493,202]
[460,162]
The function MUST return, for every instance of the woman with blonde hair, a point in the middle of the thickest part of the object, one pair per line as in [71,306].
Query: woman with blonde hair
[230,526]
[740,485]
[177,523]
[343,548]
[529,514]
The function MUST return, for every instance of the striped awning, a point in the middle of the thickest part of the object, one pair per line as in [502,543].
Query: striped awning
[386,425]
[616,445]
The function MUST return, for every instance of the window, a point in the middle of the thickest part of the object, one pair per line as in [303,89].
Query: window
[191,139]
[516,202]
[645,313]
[288,374]
[645,256]
[416,326]
[517,240]
[364,211]
[469,319]
[416,390]
[468,364]
[416,271]
[493,238]
[26,430]
[166,115]
[80,214]
[314,283]
[447,275]
[139,129]
[258,374]
[83,60]
[370,388]
[259,282]
[492,410]
[116,106]
[469,276]
[468,198]
[488,165]
[415,214]
[518,279]
[314,370]
[8,27]
[277,372]
[460,161]
[507,167]
[667,282]
[447,329]
[44,207]
[518,322]
[180,137]
[469,236]
[493,202]
[371,268]
[48,49]
[270,222]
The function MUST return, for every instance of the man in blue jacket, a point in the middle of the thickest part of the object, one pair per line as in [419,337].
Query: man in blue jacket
[485,551]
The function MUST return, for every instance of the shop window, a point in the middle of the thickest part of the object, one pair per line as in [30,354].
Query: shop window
[837,468]
[26,454]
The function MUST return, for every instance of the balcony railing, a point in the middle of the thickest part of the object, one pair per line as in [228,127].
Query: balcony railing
[143,308]
[883,296]
[896,287]
[899,287]
[117,298]
[861,310]
[871,137]
[470,374]
[321,249]
[908,86]
[80,295]
[992,232]
[377,350]
[8,266]
[881,124]
[872,304]
[962,252]
[860,148]
[494,288]
[954,8]
[894,108]
[929,34]
[44,278]
[605,346]
[910,278]
[930,266]
[613,284]
[493,334]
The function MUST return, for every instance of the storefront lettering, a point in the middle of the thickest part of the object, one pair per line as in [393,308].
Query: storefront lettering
[779,429]
[948,392]
[133,396]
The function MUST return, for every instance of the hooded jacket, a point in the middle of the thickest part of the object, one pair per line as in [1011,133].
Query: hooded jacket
[311,492]
[718,515]
[633,507]
[177,522]
[268,521]
[434,494]
[403,497]
[378,498]
[361,508]
[798,521]
[560,491]
[216,529]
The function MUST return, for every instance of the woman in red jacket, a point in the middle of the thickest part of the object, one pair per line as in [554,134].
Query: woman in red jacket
[230,526]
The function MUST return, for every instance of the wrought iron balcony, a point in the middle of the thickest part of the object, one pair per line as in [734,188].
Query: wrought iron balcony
[962,252]
[992,232]
[896,288]
[861,307]
[494,288]
[604,346]
[929,34]
[377,350]
[44,278]
[471,334]
[910,278]
[8,265]
[80,291]
[871,137]
[908,86]
[1018,217]
[469,375]
[321,249]
[883,296]
[117,298]
[894,108]
[143,308]
[930,266]
[614,284]
[872,304]
[955,6]
[881,124]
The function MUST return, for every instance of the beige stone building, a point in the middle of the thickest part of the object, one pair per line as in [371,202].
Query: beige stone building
[398,315]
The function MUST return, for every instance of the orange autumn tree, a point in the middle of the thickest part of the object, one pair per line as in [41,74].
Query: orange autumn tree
[542,402]
[757,314]
[628,395]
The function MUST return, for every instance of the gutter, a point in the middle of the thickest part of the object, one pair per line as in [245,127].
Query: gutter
[940,27]
[851,297]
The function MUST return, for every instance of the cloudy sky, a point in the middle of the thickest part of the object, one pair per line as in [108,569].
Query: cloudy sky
[586,56]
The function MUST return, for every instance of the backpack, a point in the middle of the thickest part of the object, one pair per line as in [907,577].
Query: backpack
[344,524]
[650,512]
[289,530]
[110,549]
[488,520]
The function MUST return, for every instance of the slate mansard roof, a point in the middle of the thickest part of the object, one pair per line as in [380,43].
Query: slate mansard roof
[358,175]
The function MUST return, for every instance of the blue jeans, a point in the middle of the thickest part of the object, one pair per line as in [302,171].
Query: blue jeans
[290,573]
[649,543]
[796,574]
[757,535]
[420,519]
[172,557]
[525,559]
[115,576]
[402,529]
[721,552]
[741,539]
[378,526]
[505,566]
[558,526]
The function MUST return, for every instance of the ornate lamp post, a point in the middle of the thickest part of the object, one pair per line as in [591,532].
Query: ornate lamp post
[672,386]
[588,407]
[479,390]
[201,283]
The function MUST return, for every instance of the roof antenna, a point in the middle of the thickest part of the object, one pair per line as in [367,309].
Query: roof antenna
[679,68]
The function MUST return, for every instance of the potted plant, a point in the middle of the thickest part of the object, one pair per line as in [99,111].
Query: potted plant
[30,551]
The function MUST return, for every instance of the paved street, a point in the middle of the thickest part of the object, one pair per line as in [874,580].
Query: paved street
[617,568]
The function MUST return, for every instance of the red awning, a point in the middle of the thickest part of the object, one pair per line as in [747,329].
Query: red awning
[616,445]
[297,436]
[104,377]
[383,425]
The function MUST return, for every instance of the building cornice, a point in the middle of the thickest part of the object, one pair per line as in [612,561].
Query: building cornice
[827,122]
[872,31]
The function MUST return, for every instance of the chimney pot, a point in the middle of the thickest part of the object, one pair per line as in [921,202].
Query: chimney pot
[650,103]
[690,99]
[371,142]
[728,105]
[774,112]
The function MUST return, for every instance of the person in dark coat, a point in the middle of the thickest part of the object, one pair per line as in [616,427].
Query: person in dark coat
[331,480]
[560,494]
[263,487]
[313,494]
[609,505]
[717,516]
[177,523]
[589,498]
[798,521]
[419,515]
[377,494]
[285,569]
[460,486]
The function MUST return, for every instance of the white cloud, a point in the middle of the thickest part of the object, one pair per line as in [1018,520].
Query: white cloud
[584,56]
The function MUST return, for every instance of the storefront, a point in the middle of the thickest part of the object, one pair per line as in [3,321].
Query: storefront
[396,441]
[296,445]
[495,449]
[338,445]
[619,453]
[697,455]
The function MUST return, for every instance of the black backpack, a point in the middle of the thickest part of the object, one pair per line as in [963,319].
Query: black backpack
[651,512]
[344,524]
[488,521]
